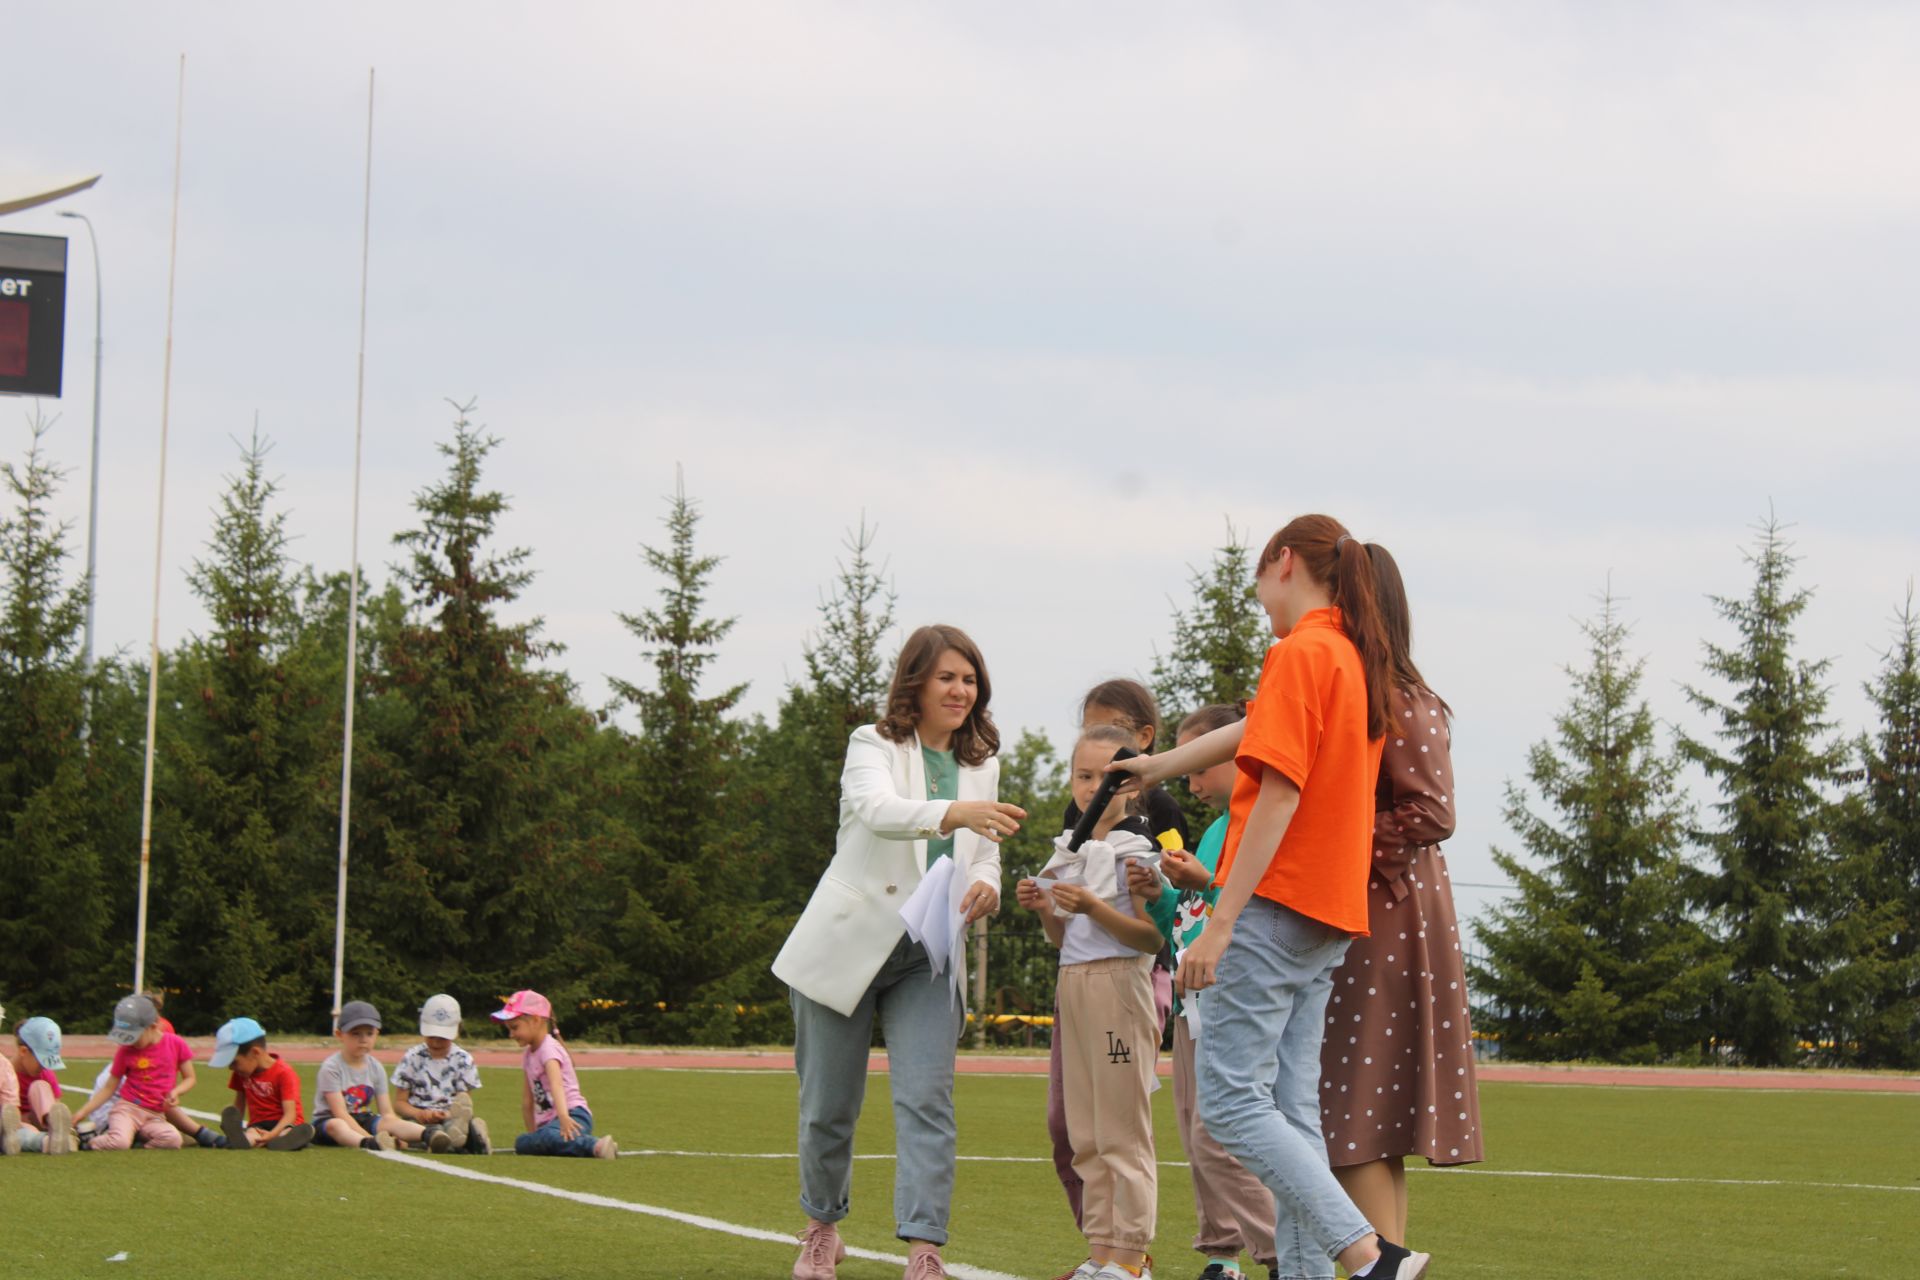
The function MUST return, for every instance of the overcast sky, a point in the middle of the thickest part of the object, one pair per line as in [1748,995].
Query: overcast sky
[1534,294]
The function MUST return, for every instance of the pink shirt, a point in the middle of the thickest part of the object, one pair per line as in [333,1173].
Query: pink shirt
[535,1062]
[150,1074]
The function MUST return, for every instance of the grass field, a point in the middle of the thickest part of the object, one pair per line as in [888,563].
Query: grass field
[1584,1181]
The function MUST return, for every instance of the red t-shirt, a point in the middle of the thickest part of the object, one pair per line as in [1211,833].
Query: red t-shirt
[150,1074]
[268,1093]
[1309,721]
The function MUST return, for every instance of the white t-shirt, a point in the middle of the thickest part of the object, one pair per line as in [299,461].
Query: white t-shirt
[431,1082]
[1100,865]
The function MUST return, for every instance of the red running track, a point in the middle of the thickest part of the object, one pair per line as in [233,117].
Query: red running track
[1006,1064]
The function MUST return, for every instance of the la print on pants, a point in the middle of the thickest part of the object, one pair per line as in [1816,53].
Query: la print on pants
[921,1019]
[1258,1073]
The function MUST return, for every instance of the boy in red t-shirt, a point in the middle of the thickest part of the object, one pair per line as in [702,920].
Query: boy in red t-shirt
[266,1110]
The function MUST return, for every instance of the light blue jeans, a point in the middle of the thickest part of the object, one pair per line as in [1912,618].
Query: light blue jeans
[1257,1069]
[546,1140]
[920,1018]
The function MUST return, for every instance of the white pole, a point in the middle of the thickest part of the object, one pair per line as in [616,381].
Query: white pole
[353,591]
[159,530]
[93,481]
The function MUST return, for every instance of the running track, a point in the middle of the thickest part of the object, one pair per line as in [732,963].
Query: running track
[999,1064]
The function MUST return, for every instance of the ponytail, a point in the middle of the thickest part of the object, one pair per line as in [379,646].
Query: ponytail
[1338,561]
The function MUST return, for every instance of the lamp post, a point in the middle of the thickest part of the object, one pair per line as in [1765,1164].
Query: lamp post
[93,475]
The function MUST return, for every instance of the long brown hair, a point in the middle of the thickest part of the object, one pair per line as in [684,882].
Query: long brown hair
[1336,560]
[1217,715]
[1391,591]
[977,738]
[1133,702]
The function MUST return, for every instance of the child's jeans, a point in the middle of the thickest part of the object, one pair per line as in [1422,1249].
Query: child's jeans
[546,1140]
[129,1121]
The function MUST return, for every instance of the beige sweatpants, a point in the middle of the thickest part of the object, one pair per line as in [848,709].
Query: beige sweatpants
[1234,1208]
[1109,1044]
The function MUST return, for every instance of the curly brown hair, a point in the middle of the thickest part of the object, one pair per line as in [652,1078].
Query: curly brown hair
[977,738]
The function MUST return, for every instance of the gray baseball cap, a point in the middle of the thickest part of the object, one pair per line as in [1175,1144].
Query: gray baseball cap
[131,1016]
[357,1013]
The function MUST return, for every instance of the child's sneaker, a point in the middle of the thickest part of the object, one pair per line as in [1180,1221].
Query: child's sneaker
[9,1130]
[1082,1272]
[925,1264]
[59,1131]
[1114,1271]
[1397,1263]
[821,1250]
[233,1129]
[606,1149]
[293,1138]
[459,1117]
[1221,1271]
[205,1137]
[479,1142]
[437,1141]
[384,1142]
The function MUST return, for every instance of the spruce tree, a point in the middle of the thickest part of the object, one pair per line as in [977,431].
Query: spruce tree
[246,763]
[470,873]
[1220,637]
[796,761]
[1871,991]
[698,942]
[1596,956]
[1771,883]
[56,907]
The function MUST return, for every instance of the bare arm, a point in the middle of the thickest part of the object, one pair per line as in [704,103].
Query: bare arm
[1135,931]
[1267,824]
[100,1095]
[184,1085]
[1215,747]
[526,1104]
[557,1090]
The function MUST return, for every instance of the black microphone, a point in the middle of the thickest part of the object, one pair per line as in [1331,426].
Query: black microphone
[1083,829]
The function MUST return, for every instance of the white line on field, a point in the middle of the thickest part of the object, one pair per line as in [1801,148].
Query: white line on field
[1411,1168]
[960,1269]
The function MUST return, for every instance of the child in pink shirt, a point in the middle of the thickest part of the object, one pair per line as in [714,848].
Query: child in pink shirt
[551,1083]
[151,1069]
[32,1117]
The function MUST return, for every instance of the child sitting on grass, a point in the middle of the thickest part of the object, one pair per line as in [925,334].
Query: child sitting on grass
[434,1083]
[266,1110]
[149,1072]
[351,1105]
[551,1083]
[32,1117]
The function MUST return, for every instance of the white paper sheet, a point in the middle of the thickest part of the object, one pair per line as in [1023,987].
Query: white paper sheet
[935,921]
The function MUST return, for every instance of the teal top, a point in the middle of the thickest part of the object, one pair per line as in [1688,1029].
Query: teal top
[943,783]
[1182,916]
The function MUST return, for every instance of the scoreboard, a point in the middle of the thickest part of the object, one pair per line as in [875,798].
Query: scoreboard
[33,313]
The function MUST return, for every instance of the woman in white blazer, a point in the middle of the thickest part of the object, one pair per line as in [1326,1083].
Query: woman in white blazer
[920,785]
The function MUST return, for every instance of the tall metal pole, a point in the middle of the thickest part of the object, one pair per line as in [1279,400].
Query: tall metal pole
[93,482]
[159,530]
[353,591]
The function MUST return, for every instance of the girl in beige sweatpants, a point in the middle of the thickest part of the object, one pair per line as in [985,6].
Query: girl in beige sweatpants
[1108,1033]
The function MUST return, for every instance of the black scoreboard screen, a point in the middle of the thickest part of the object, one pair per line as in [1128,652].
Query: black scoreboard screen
[33,313]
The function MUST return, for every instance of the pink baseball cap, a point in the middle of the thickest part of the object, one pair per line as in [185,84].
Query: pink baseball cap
[531,1003]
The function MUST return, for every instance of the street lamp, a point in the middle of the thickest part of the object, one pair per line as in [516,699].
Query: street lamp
[93,481]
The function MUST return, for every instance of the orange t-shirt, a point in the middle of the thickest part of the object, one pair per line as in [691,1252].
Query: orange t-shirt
[1309,721]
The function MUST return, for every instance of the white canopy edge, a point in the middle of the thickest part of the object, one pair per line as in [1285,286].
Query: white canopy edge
[24,193]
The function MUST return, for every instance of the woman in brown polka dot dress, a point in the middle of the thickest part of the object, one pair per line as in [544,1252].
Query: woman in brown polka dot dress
[1396,1067]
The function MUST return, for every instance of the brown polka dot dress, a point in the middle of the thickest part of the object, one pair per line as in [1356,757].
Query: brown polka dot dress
[1396,1067]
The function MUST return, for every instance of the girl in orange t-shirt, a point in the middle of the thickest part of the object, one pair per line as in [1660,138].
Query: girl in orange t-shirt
[1293,889]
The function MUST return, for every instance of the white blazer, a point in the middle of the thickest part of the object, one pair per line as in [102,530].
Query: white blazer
[852,922]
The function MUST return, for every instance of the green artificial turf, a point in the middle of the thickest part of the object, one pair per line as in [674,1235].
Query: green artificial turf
[211,1214]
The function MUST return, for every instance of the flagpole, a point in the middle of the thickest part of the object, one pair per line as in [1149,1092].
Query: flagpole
[159,532]
[353,591]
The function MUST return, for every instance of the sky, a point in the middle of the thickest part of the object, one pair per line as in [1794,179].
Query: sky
[1546,298]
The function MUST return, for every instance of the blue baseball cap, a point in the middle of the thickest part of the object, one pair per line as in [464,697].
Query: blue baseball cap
[227,1041]
[42,1038]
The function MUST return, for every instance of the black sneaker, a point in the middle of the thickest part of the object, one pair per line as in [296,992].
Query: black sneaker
[478,1141]
[234,1129]
[206,1137]
[1219,1271]
[291,1139]
[1397,1263]
[368,1144]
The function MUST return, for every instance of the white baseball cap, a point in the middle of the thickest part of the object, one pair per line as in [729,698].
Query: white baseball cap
[440,1016]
